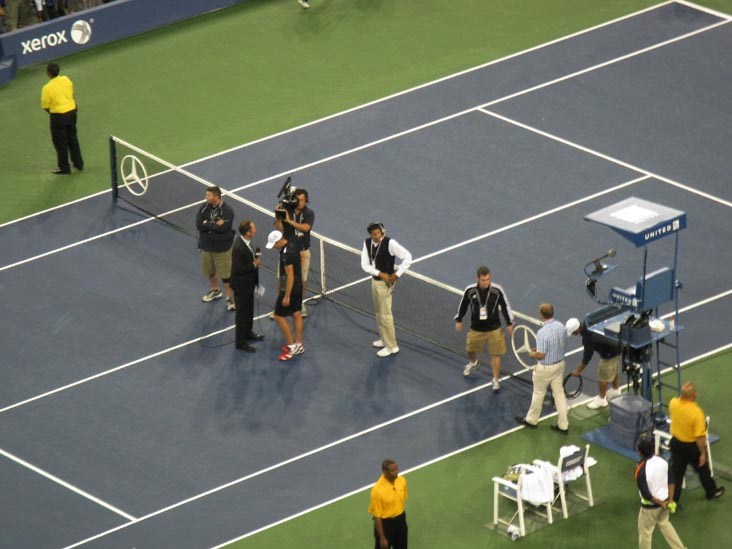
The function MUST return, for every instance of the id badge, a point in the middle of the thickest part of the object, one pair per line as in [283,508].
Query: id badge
[484,312]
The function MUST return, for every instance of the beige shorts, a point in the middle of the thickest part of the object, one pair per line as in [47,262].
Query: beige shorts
[305,264]
[216,263]
[494,340]
[608,369]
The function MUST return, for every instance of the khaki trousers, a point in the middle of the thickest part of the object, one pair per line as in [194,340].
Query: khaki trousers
[648,519]
[543,378]
[381,294]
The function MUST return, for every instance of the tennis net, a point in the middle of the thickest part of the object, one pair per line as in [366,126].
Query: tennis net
[423,307]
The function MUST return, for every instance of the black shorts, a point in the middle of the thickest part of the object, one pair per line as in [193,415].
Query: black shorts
[294,307]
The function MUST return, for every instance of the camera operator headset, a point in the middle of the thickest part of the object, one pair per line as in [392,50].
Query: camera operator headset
[298,222]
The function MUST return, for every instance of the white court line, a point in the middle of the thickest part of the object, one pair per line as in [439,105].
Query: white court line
[65,484]
[433,461]
[705,9]
[508,97]
[439,80]
[287,462]
[64,205]
[607,157]
[359,148]
[444,286]
[533,218]
[607,63]
[403,92]
[365,432]
[390,137]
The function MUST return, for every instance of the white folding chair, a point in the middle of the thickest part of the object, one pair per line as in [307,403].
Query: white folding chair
[571,468]
[662,440]
[503,488]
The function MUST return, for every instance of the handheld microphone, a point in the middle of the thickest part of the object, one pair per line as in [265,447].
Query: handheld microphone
[257,253]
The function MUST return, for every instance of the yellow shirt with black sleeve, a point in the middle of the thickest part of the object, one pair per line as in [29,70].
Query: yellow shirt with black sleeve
[58,95]
[687,420]
[387,499]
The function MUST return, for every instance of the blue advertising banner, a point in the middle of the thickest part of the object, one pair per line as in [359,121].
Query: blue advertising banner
[93,27]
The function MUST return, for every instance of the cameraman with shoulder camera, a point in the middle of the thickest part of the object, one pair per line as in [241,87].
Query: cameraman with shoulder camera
[297,223]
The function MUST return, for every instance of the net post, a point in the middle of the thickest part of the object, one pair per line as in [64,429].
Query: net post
[323,289]
[113,168]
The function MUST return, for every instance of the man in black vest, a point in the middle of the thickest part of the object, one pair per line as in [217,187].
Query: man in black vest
[244,279]
[377,259]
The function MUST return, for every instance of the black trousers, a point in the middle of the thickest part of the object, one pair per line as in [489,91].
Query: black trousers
[63,135]
[244,300]
[395,530]
[686,453]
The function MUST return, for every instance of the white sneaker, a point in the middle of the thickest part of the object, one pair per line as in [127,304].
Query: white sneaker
[597,402]
[211,295]
[378,344]
[469,368]
[303,3]
[230,305]
[612,393]
[386,351]
[496,385]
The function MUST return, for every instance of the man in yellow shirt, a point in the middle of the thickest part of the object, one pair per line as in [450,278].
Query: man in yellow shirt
[688,442]
[388,497]
[57,99]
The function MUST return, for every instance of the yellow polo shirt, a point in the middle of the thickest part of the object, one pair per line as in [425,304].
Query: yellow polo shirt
[58,95]
[387,499]
[687,420]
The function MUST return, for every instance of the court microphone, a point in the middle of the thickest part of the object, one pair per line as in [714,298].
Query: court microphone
[257,253]
[599,267]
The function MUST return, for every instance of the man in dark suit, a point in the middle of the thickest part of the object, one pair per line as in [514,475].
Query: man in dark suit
[245,263]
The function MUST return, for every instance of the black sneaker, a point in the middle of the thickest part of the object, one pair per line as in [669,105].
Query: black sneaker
[718,493]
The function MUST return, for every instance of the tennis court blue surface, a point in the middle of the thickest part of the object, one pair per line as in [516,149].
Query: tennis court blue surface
[128,420]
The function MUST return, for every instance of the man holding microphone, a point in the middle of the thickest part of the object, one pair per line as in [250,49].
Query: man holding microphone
[245,261]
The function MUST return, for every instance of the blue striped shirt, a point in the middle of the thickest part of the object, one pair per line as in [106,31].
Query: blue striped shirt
[551,339]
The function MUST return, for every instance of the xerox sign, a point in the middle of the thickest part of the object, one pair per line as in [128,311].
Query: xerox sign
[113,21]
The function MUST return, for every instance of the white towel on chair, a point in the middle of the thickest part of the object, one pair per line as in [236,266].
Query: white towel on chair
[538,487]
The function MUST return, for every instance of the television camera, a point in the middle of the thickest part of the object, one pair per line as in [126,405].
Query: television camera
[286,199]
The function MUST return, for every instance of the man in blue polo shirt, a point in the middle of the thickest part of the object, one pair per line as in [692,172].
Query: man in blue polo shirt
[551,344]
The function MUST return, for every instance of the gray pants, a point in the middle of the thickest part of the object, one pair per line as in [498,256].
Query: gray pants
[22,9]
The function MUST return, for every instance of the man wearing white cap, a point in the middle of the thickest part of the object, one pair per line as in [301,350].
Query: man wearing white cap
[609,369]
[289,300]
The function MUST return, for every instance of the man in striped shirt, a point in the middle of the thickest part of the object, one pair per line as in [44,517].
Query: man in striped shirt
[485,300]
[551,344]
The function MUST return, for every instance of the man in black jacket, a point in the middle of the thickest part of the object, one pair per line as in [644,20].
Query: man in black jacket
[214,222]
[487,302]
[245,261]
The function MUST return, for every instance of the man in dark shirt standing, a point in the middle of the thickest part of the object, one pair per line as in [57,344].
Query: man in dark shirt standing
[245,261]
[609,369]
[485,300]
[297,226]
[215,236]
